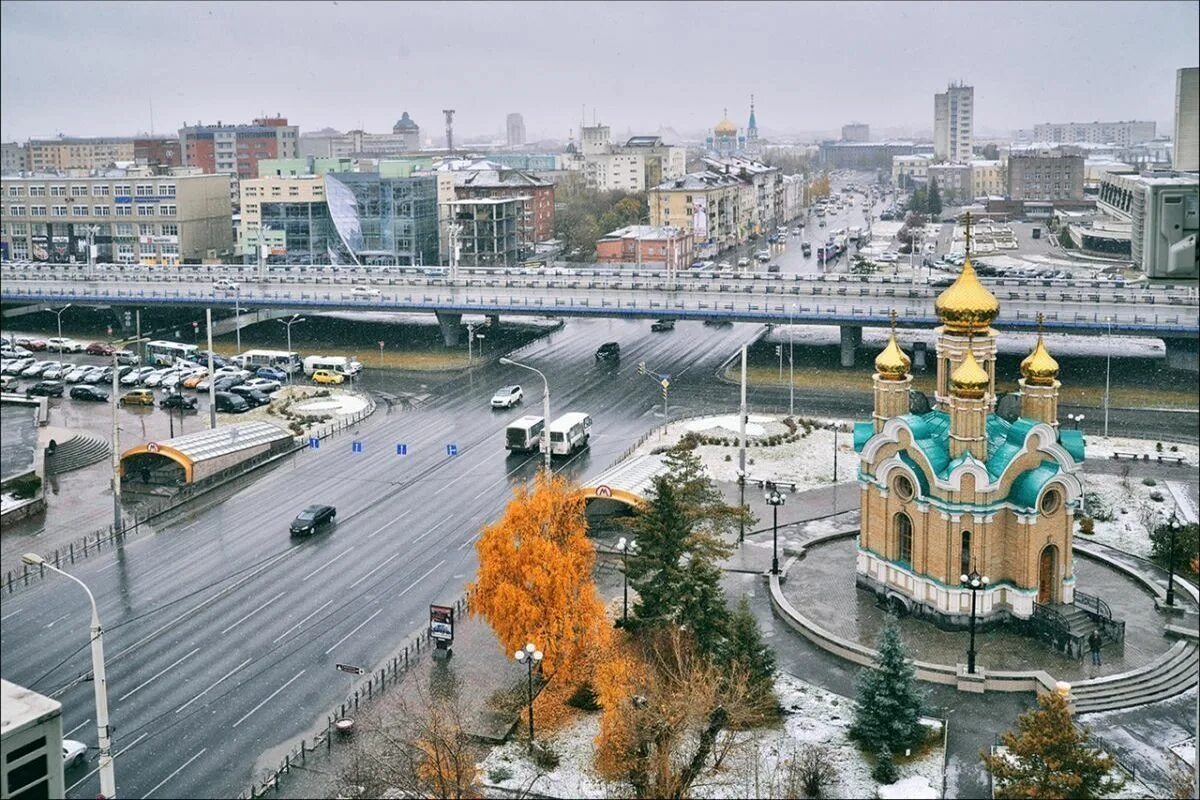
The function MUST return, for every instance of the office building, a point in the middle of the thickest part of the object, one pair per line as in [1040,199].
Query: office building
[237,149]
[158,151]
[953,181]
[953,123]
[708,205]
[75,152]
[138,217]
[856,132]
[515,129]
[536,195]
[1120,133]
[15,158]
[907,170]
[989,178]
[863,155]
[31,760]
[641,162]
[487,232]
[1164,215]
[665,246]
[1045,175]
[1186,156]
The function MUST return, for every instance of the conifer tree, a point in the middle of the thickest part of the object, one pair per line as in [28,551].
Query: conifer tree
[889,703]
[745,646]
[1050,757]
[933,201]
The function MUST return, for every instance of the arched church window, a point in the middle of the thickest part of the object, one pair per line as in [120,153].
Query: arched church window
[904,538]
[903,487]
[966,552]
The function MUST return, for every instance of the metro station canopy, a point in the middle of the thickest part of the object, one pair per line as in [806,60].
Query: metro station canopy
[207,452]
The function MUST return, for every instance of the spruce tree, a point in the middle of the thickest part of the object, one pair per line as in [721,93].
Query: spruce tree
[889,704]
[934,198]
[1050,757]
[745,645]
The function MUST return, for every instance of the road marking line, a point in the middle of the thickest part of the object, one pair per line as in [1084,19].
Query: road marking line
[327,563]
[436,525]
[269,697]
[120,752]
[252,613]
[423,577]
[210,688]
[468,541]
[13,614]
[60,619]
[356,630]
[173,774]
[158,675]
[381,565]
[301,622]
[384,525]
[77,727]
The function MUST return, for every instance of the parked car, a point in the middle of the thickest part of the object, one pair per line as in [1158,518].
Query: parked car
[138,397]
[9,383]
[772,268]
[45,389]
[271,374]
[223,383]
[16,367]
[136,376]
[225,285]
[35,369]
[662,325]
[217,361]
[312,518]
[56,371]
[180,401]
[724,265]
[365,291]
[743,262]
[89,393]
[127,358]
[99,349]
[608,350]
[253,397]
[328,376]
[193,381]
[33,345]
[76,374]
[507,396]
[264,385]
[64,345]
[99,375]
[231,403]
[160,377]
[74,754]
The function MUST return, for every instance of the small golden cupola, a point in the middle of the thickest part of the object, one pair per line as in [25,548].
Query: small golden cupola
[969,380]
[967,305]
[1039,368]
[892,364]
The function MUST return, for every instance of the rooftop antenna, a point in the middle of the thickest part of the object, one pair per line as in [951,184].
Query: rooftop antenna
[449,113]
[151,116]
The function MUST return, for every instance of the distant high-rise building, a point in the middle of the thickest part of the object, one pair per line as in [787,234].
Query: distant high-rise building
[16,158]
[237,149]
[1187,119]
[1122,133]
[953,123]
[856,132]
[75,152]
[515,125]
[409,133]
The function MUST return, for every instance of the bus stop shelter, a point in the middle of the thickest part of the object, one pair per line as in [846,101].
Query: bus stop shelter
[624,487]
[195,457]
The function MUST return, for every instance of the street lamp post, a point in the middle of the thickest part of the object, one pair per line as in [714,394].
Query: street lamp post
[625,545]
[545,443]
[741,479]
[1174,524]
[1077,419]
[288,323]
[975,583]
[529,656]
[59,314]
[237,316]
[775,499]
[1107,371]
[108,780]
[263,230]
[116,432]
[791,367]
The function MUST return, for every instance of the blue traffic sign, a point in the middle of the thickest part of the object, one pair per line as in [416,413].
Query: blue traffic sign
[356,447]
[401,449]
[314,442]
[451,449]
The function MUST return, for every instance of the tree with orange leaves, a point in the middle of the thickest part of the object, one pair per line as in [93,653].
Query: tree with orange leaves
[534,582]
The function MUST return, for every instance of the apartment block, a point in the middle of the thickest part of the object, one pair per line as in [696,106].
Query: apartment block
[135,216]
[71,152]
[1186,155]
[237,149]
[1120,133]
[711,206]
[15,158]
[856,132]
[665,246]
[1045,175]
[953,123]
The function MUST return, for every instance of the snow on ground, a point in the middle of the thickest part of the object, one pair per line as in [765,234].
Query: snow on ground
[808,461]
[1133,510]
[9,502]
[755,768]
[335,404]
[1104,447]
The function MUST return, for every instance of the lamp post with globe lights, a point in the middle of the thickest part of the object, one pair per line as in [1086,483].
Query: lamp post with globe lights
[775,499]
[975,583]
[529,655]
[625,546]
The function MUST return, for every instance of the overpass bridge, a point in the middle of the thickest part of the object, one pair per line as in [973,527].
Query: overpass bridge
[848,301]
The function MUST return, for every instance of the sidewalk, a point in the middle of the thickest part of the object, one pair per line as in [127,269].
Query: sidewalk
[803,516]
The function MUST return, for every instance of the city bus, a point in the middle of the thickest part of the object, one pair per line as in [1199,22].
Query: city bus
[524,435]
[161,353]
[346,366]
[279,359]
[569,433]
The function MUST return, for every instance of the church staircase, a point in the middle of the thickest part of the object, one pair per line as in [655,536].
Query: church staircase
[1169,675]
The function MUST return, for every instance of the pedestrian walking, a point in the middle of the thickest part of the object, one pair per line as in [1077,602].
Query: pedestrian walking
[1094,643]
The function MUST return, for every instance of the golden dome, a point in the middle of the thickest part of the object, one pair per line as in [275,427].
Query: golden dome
[725,128]
[891,363]
[1039,367]
[967,305]
[969,379]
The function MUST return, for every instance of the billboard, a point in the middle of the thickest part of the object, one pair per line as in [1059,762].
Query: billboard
[441,625]
[40,247]
[700,217]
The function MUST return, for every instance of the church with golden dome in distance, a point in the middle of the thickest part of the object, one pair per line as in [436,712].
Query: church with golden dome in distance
[958,489]
[726,140]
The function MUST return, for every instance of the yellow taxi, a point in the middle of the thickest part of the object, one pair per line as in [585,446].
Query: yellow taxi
[138,397]
[327,376]
[193,380]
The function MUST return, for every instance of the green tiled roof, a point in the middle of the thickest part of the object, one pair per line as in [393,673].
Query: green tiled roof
[1028,485]
[862,432]
[1072,442]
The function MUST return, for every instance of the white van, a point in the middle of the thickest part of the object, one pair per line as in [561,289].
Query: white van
[524,435]
[569,433]
[341,364]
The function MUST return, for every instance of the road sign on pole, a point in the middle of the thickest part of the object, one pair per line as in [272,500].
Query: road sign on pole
[356,447]
[451,449]
[401,449]
[353,670]
[314,442]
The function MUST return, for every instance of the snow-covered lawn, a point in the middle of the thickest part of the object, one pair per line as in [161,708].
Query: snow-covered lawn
[808,461]
[1128,501]
[755,768]
[1102,447]
[339,403]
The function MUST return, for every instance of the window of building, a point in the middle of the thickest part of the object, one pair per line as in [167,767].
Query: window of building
[16,191]
[903,487]
[170,249]
[102,211]
[79,191]
[37,191]
[146,230]
[124,211]
[903,528]
[166,190]
[122,190]
[58,211]
[19,229]
[125,249]
[145,211]
[99,190]
[79,211]
[37,211]
[16,211]
[58,191]
[170,229]
[965,560]
[166,211]
[124,229]
[1051,502]
[20,250]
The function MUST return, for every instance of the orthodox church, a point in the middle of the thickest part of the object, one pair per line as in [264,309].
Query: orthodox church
[958,489]
[726,141]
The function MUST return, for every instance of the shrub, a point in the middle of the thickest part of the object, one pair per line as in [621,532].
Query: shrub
[499,775]
[816,770]
[25,486]
[1087,526]
[1187,545]
[885,768]
[1174,448]
[584,698]
[1149,482]
[1158,446]
[1156,496]
[728,457]
[545,756]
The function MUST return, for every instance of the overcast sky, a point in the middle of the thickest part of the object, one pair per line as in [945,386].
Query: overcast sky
[94,68]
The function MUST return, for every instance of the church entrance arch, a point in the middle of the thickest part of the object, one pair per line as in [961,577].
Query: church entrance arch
[1047,567]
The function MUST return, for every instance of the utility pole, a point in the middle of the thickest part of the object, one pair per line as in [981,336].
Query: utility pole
[212,381]
[742,418]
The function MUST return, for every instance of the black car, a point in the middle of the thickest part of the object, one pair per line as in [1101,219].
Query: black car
[227,383]
[231,403]
[312,518]
[608,350]
[180,401]
[45,389]
[251,395]
[89,393]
